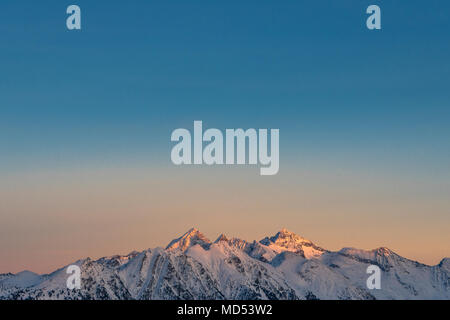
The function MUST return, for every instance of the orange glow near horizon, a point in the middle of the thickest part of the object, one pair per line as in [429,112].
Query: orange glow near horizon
[101,212]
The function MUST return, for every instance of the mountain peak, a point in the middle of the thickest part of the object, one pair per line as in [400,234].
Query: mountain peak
[286,240]
[383,251]
[285,232]
[222,237]
[190,238]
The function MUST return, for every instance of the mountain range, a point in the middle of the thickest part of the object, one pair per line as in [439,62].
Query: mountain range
[284,266]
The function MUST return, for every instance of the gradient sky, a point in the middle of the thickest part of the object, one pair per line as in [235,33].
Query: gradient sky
[86,118]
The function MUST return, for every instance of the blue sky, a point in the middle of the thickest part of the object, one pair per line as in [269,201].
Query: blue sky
[139,69]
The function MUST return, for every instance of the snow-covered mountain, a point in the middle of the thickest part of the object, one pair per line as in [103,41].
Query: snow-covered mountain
[285,266]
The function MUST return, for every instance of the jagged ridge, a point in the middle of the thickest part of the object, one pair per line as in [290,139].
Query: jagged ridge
[284,266]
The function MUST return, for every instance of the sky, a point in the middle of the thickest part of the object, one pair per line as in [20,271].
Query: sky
[86,118]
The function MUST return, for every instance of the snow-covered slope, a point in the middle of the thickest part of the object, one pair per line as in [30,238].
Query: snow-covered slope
[284,266]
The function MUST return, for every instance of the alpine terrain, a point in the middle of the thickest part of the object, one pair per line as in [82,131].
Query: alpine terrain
[285,266]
